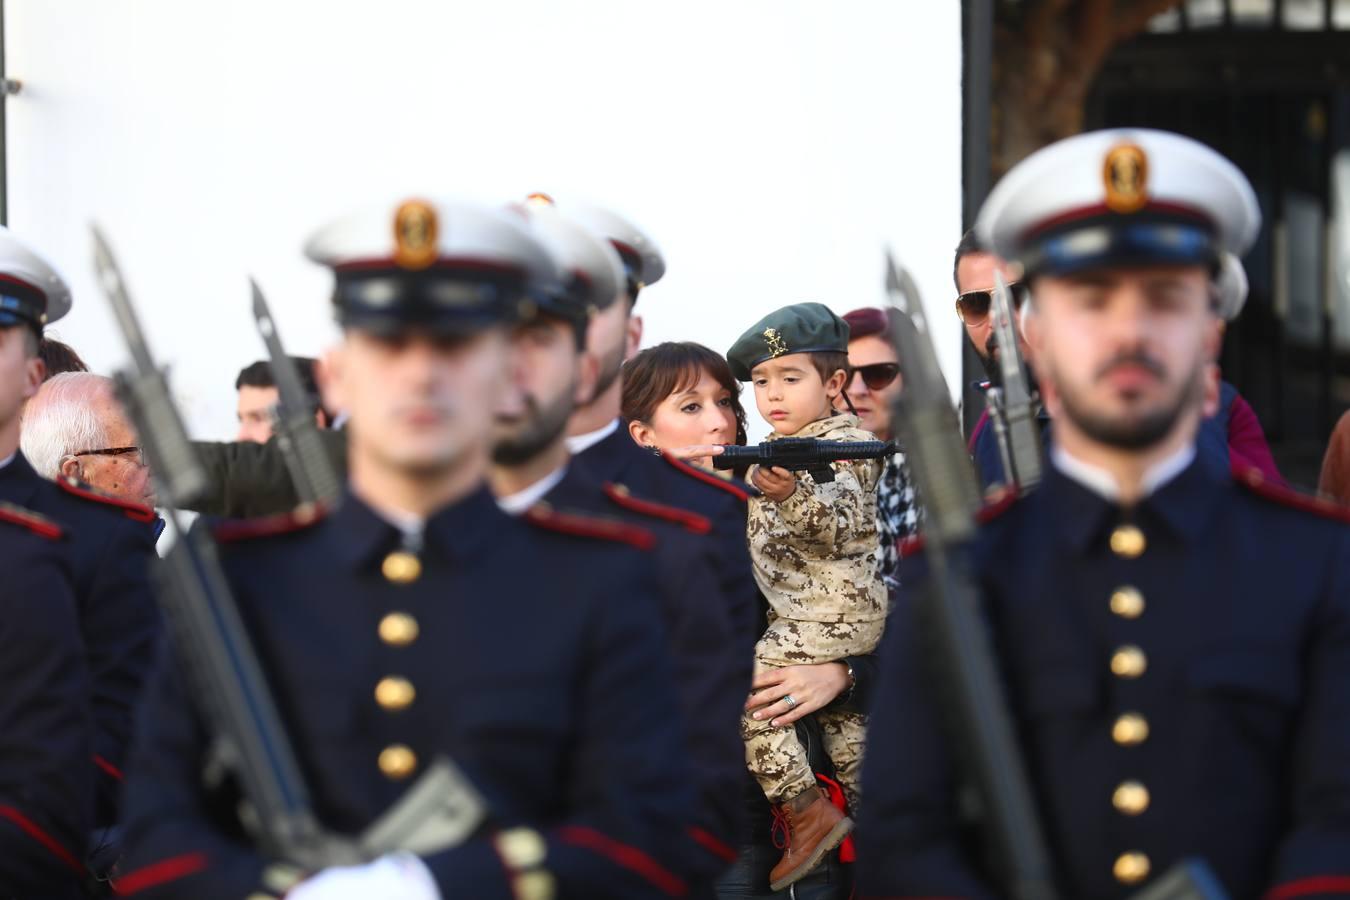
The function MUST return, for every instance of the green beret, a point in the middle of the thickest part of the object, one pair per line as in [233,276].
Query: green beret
[799,328]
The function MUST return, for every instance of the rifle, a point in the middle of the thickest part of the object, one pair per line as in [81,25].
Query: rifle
[1012,406]
[981,723]
[224,675]
[312,471]
[811,455]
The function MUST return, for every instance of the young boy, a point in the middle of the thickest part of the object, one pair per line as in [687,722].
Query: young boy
[814,548]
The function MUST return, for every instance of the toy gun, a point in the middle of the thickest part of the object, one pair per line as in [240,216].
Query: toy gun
[811,455]
[224,675]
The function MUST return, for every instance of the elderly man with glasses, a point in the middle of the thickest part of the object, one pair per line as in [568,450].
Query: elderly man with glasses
[76,428]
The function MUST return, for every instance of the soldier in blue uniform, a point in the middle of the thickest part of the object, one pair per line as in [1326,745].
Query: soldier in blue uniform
[419,619]
[112,542]
[46,733]
[1174,636]
[603,448]
[533,470]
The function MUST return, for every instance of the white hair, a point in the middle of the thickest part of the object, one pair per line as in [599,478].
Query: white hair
[60,420]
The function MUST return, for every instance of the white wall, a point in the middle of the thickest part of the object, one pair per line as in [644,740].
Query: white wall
[771,147]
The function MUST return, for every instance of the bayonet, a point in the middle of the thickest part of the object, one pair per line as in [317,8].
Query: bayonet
[312,471]
[1013,406]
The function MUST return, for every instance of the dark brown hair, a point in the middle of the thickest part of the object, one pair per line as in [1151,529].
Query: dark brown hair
[827,362]
[59,357]
[657,372]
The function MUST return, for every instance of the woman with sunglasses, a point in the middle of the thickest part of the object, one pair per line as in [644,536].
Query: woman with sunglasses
[873,387]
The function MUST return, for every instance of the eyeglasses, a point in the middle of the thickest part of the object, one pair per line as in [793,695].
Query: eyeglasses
[972,307]
[115,451]
[878,375]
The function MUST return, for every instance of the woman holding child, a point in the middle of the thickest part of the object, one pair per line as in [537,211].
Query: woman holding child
[814,550]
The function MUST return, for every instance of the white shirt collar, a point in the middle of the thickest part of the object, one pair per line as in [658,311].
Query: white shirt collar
[1103,483]
[411,525]
[583,442]
[517,503]
[8,459]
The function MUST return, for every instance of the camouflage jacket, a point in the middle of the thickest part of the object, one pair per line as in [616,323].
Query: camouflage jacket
[815,554]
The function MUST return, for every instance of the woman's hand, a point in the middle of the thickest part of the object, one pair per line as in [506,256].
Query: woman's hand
[697,454]
[812,687]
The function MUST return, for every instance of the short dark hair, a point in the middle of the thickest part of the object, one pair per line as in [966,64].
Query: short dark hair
[259,374]
[827,362]
[59,357]
[657,372]
[970,243]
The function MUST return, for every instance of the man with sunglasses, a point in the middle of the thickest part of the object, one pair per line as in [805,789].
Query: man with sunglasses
[973,272]
[111,540]
[872,388]
[76,428]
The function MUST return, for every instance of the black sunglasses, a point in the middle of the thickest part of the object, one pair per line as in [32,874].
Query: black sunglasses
[878,375]
[972,307]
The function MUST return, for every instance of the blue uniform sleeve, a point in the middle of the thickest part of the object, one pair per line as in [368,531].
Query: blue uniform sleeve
[121,623]
[908,837]
[712,676]
[1314,858]
[180,839]
[629,799]
[46,781]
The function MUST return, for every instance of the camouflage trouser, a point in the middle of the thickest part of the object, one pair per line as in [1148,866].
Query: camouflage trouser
[774,755]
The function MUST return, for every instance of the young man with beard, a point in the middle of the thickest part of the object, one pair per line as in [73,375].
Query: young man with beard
[418,620]
[533,470]
[1174,636]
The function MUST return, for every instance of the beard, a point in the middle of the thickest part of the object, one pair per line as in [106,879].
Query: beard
[538,429]
[610,367]
[990,362]
[1135,431]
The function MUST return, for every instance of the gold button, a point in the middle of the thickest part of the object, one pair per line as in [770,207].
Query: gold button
[1131,798]
[521,848]
[398,629]
[397,762]
[622,490]
[1131,868]
[401,567]
[1127,602]
[1128,662]
[1128,541]
[1130,730]
[536,885]
[394,693]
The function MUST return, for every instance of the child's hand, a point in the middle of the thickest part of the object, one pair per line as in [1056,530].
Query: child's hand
[775,483]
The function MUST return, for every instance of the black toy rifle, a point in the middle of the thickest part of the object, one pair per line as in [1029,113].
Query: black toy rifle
[811,455]
[312,471]
[1012,407]
[224,675]
[981,725]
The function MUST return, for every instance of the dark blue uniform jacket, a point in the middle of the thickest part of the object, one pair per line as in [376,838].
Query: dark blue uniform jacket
[112,546]
[537,666]
[617,460]
[46,733]
[712,667]
[1226,637]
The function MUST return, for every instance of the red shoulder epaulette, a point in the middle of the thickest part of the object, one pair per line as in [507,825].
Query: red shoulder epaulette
[299,518]
[545,516]
[133,511]
[1254,480]
[689,521]
[39,525]
[996,504]
[740,491]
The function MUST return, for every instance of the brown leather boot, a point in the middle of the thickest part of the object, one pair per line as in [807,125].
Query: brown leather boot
[814,827]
